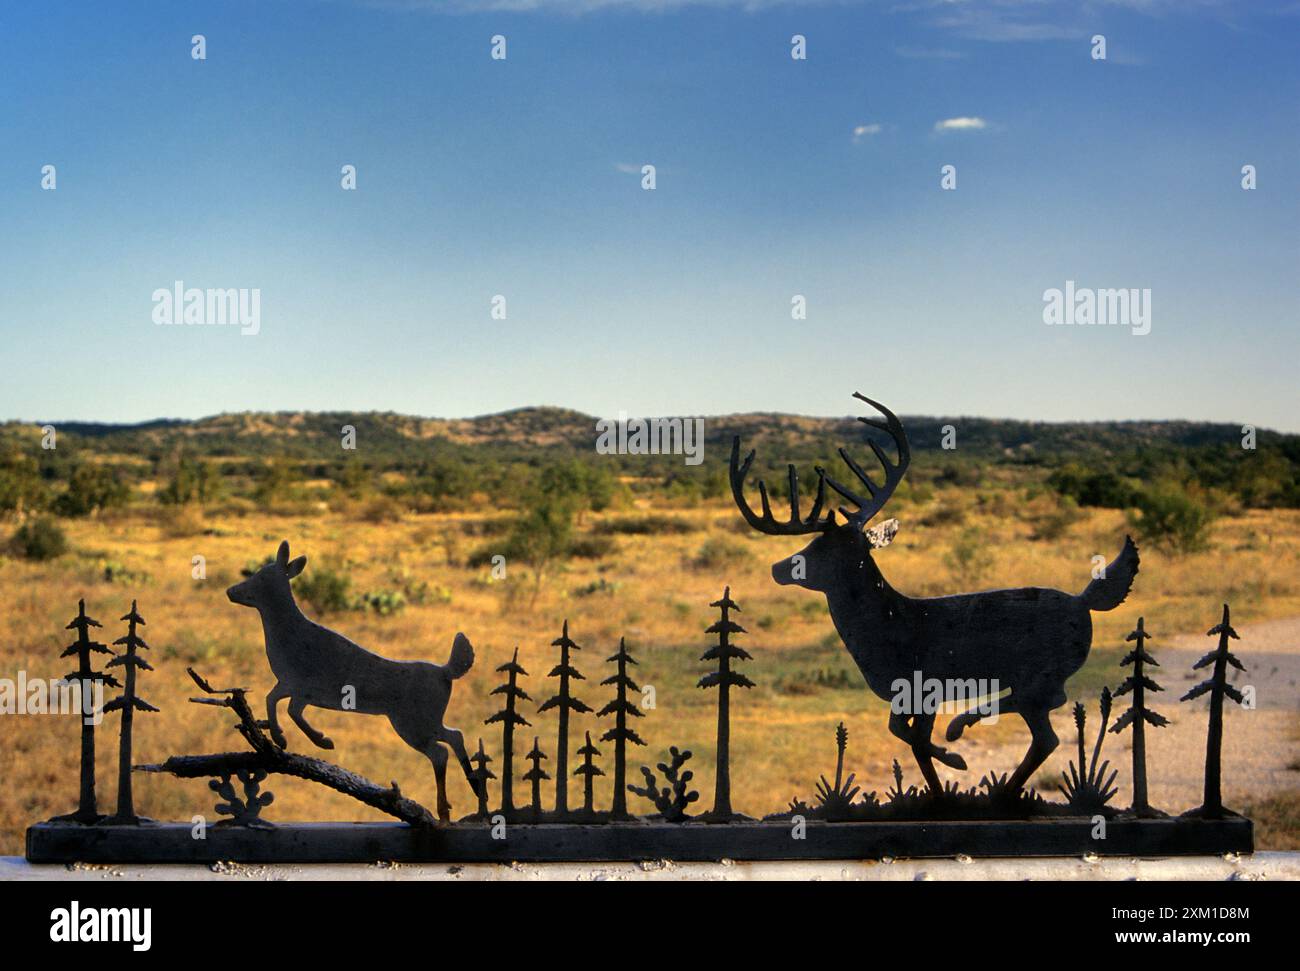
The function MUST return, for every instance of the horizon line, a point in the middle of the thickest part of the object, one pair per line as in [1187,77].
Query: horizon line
[161,420]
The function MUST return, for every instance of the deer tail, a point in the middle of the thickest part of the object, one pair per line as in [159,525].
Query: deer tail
[1108,591]
[462,657]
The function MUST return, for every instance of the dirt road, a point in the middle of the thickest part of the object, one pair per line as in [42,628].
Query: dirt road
[1261,748]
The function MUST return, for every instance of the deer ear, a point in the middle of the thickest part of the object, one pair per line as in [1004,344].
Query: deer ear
[296,567]
[282,554]
[882,535]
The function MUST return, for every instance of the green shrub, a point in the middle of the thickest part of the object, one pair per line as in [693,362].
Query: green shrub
[1055,523]
[327,589]
[718,552]
[594,587]
[967,559]
[114,571]
[591,547]
[483,555]
[1103,489]
[542,536]
[41,539]
[191,480]
[383,602]
[648,525]
[1174,518]
[381,510]
[944,514]
[90,489]
[21,487]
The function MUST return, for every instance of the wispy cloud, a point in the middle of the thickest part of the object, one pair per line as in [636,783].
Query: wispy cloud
[627,168]
[581,7]
[981,20]
[866,131]
[963,123]
[929,53]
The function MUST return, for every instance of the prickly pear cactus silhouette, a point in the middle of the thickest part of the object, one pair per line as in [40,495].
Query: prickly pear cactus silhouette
[674,798]
[245,810]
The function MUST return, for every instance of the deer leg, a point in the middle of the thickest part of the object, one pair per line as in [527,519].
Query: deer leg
[273,698]
[295,712]
[456,740]
[923,750]
[901,729]
[1042,744]
[438,756]
[973,715]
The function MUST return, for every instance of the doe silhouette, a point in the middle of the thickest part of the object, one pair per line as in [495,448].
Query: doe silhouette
[314,665]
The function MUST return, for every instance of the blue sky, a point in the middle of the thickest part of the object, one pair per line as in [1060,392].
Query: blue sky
[521,177]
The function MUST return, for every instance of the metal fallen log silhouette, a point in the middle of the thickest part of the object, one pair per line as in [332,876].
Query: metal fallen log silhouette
[269,757]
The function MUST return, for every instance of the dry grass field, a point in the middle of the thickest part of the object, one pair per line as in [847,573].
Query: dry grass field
[652,588]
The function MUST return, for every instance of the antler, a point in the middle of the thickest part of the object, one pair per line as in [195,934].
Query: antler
[766,523]
[894,472]
[815,522]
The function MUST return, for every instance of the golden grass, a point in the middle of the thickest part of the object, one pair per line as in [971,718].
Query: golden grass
[653,594]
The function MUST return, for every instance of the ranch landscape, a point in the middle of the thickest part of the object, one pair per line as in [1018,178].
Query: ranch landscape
[505,527]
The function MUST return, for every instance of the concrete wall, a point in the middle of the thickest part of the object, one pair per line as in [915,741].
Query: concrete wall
[1258,866]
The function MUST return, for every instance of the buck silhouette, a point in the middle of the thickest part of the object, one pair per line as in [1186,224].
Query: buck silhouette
[314,665]
[1029,640]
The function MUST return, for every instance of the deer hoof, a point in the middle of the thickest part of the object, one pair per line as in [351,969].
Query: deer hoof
[325,742]
[952,760]
[957,726]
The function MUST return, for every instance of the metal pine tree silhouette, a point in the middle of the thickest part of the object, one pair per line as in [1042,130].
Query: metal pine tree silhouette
[128,703]
[482,773]
[1217,685]
[536,775]
[509,718]
[621,734]
[564,701]
[588,770]
[1138,715]
[86,677]
[724,679]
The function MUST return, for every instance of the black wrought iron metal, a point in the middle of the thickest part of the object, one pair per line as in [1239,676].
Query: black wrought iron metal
[1026,640]
[1029,640]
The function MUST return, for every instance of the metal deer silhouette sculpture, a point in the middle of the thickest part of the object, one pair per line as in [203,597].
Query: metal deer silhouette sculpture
[314,665]
[1029,640]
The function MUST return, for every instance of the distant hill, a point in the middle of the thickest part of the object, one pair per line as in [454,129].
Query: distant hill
[390,438]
